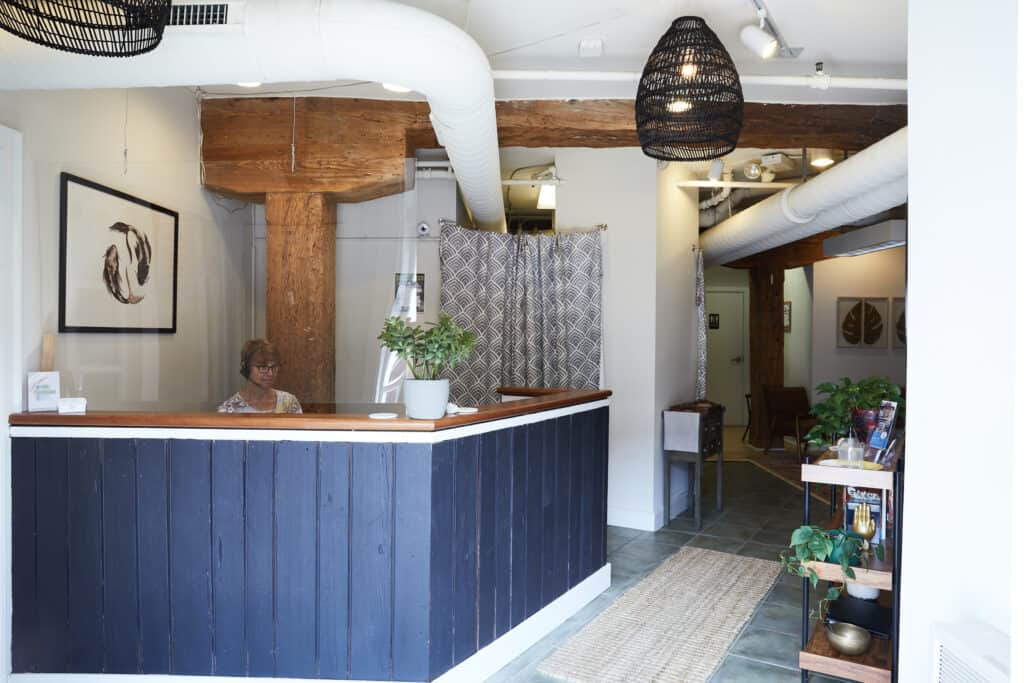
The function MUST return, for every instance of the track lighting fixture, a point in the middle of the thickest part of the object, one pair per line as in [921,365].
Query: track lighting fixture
[759,41]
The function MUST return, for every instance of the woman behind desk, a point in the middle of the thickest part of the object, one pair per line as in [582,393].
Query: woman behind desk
[259,365]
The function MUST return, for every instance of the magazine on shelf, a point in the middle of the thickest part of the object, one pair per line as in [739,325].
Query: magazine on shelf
[876,500]
[878,440]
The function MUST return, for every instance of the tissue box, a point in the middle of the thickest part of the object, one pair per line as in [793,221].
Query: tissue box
[43,391]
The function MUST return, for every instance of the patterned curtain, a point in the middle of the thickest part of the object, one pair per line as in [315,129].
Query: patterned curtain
[702,332]
[534,302]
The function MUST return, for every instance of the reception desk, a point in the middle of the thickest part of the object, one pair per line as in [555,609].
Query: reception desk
[304,546]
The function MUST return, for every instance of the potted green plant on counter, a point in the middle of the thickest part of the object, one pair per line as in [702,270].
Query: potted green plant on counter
[836,546]
[849,405]
[427,350]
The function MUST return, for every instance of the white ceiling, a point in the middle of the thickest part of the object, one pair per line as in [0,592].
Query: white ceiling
[860,38]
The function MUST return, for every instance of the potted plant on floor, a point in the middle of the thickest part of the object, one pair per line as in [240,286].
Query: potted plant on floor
[427,349]
[849,405]
[837,546]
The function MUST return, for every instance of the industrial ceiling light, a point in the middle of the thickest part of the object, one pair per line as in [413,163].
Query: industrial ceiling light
[762,43]
[752,170]
[103,28]
[821,158]
[689,105]
[546,197]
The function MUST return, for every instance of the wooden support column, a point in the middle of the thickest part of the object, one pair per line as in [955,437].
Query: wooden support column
[300,292]
[766,343]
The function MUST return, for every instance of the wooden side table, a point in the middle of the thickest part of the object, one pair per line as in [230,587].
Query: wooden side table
[692,433]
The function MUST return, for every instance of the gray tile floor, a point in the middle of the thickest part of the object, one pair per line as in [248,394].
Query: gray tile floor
[760,512]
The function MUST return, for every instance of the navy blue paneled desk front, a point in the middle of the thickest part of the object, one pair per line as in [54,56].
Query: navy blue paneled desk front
[317,546]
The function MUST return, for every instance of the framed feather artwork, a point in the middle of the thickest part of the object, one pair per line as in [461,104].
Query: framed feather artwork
[118,261]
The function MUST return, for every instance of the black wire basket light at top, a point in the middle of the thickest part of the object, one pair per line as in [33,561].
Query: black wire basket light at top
[105,28]
[689,106]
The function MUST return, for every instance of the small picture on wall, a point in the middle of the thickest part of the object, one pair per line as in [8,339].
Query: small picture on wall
[861,323]
[787,316]
[899,323]
[118,261]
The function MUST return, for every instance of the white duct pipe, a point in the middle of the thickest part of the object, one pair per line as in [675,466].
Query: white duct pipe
[866,183]
[285,41]
[818,82]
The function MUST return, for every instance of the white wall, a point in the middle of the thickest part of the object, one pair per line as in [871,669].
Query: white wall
[375,239]
[881,274]
[961,327]
[797,342]
[675,337]
[87,133]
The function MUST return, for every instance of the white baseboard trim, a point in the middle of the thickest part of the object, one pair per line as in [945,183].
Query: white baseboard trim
[633,519]
[495,656]
[480,666]
[680,503]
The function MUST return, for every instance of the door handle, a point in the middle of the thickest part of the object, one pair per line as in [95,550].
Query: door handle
[737,360]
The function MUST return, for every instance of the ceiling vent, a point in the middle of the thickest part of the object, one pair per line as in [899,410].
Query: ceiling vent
[206,14]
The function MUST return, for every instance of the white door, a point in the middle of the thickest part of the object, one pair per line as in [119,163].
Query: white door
[727,353]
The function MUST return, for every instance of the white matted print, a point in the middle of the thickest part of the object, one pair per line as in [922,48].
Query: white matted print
[118,261]
[899,323]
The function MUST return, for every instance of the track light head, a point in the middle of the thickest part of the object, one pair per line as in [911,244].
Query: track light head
[761,42]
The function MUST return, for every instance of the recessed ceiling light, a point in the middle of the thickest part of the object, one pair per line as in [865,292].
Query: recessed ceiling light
[250,84]
[394,87]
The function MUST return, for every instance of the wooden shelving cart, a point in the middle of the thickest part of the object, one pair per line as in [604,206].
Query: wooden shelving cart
[879,663]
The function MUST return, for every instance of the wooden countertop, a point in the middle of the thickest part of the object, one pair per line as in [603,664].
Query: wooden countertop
[309,421]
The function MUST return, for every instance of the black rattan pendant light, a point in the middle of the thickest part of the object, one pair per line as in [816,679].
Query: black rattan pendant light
[106,28]
[689,106]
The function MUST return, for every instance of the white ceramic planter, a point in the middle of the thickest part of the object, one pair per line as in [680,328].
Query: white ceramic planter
[859,590]
[426,399]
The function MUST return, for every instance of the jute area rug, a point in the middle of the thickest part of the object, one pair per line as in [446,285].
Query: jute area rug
[674,625]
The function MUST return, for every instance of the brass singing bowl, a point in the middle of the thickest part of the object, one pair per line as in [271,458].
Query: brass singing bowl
[847,638]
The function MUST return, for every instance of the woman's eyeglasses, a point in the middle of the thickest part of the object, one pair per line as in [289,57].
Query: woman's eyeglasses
[268,367]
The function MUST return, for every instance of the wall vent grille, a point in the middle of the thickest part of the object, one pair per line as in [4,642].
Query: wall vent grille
[199,15]
[953,669]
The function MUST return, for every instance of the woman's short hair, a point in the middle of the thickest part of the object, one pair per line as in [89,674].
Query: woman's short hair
[253,347]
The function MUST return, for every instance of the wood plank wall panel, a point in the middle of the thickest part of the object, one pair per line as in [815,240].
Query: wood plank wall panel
[85,555]
[227,500]
[120,559]
[531,489]
[27,632]
[333,503]
[411,629]
[51,496]
[151,470]
[297,559]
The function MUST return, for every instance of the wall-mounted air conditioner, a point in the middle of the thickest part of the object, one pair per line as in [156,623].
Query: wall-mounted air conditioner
[970,653]
[884,235]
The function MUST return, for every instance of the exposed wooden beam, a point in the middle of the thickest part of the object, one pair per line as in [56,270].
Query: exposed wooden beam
[766,345]
[300,292]
[354,149]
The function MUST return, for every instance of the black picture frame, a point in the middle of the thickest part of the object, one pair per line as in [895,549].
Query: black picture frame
[83,189]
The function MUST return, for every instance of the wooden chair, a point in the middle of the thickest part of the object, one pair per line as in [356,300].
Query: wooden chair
[692,432]
[789,414]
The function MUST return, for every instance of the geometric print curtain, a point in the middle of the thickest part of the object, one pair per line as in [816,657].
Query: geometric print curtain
[534,304]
